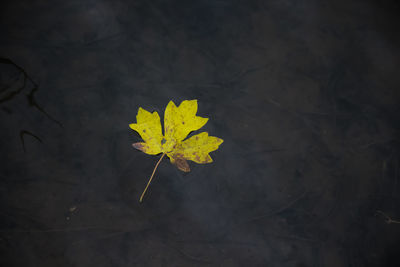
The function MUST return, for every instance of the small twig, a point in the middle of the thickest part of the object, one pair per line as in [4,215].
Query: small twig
[151,177]
[25,132]
[388,220]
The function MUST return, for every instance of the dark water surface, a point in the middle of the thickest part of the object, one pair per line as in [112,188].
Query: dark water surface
[304,93]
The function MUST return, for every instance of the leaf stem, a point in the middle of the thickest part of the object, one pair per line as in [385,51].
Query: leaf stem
[151,177]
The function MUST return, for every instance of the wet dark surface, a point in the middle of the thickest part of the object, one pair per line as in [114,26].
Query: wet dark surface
[304,93]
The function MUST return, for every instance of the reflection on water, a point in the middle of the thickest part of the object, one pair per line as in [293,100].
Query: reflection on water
[12,86]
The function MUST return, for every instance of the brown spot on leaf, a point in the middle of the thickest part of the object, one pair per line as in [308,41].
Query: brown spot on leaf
[183,122]
[138,146]
[163,141]
[144,130]
[181,163]
[198,159]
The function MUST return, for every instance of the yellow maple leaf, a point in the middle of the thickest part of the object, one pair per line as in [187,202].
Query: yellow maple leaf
[178,123]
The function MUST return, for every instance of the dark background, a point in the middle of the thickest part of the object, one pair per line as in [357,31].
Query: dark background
[304,93]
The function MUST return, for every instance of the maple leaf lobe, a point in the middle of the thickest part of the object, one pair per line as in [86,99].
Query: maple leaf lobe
[182,164]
